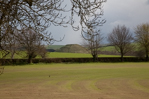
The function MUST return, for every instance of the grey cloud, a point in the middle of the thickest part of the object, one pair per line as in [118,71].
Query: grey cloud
[147,2]
[124,12]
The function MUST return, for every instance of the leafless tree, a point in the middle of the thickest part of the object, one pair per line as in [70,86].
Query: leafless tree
[142,38]
[31,42]
[90,12]
[92,42]
[121,38]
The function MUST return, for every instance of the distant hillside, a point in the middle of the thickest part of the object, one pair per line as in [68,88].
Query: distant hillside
[55,47]
[73,48]
[108,48]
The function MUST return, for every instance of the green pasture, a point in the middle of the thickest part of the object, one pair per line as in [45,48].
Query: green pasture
[67,55]
[18,55]
[62,55]
[75,55]
[108,48]
[76,81]
[112,48]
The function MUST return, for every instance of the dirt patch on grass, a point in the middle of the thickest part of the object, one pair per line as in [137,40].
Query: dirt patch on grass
[107,89]
[145,84]
[120,89]
[47,92]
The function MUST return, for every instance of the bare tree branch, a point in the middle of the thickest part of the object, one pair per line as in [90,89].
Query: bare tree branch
[87,10]
[92,42]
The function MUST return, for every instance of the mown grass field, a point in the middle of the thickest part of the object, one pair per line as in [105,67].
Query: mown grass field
[76,81]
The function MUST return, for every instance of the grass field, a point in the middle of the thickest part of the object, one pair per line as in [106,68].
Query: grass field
[76,55]
[108,48]
[76,81]
[62,55]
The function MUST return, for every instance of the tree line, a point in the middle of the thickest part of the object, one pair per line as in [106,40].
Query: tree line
[122,39]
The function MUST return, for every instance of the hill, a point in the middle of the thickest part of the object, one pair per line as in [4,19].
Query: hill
[55,47]
[73,48]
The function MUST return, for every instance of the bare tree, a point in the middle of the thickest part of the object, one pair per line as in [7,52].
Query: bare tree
[90,12]
[121,38]
[31,42]
[142,38]
[92,42]
[93,38]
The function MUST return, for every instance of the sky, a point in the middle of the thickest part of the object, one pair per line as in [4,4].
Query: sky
[116,12]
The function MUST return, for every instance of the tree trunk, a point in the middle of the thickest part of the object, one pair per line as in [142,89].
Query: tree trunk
[1,70]
[146,56]
[12,54]
[122,58]
[30,59]
[95,58]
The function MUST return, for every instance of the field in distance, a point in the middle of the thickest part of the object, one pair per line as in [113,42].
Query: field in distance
[75,55]
[76,81]
[62,55]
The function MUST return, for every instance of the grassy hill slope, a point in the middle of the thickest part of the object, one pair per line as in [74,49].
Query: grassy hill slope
[55,47]
[73,48]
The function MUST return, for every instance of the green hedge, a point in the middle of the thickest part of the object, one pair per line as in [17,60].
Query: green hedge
[70,60]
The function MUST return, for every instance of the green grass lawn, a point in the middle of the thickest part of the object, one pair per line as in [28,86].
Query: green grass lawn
[76,81]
